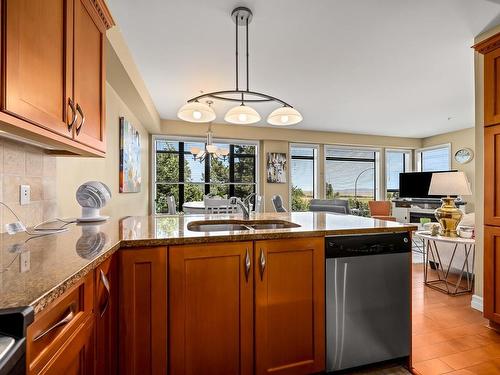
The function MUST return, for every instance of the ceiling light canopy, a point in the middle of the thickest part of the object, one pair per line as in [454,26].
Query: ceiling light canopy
[194,111]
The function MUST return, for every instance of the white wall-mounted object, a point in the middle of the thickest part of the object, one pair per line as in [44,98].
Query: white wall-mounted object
[24,194]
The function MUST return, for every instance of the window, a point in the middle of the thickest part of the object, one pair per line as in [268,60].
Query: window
[303,176]
[434,158]
[178,174]
[396,162]
[351,174]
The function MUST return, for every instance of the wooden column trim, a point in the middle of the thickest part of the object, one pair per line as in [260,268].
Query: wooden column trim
[488,45]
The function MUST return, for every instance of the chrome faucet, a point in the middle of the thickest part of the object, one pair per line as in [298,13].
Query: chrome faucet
[245,205]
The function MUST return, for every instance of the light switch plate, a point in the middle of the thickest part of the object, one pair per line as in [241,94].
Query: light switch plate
[24,194]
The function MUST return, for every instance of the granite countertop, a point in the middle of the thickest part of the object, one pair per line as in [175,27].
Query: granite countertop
[35,271]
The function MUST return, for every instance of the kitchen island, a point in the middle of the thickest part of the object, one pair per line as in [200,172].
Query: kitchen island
[122,273]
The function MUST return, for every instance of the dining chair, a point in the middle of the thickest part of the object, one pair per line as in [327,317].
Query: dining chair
[381,210]
[219,206]
[171,206]
[340,206]
[258,203]
[278,203]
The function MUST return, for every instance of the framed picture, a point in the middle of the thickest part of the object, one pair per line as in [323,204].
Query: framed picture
[276,167]
[130,158]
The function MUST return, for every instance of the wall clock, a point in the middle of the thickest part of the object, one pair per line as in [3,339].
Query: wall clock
[464,155]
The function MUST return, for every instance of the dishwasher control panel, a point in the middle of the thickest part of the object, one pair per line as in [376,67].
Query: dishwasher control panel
[367,244]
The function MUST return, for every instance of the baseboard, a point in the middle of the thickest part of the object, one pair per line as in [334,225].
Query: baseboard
[477,302]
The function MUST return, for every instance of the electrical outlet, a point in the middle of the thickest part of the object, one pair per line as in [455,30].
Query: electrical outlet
[25,261]
[24,194]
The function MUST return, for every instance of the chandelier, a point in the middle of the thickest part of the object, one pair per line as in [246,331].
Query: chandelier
[196,111]
[210,149]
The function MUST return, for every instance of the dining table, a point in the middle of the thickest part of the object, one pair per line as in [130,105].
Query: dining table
[194,207]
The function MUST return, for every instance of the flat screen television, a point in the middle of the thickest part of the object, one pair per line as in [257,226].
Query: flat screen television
[416,184]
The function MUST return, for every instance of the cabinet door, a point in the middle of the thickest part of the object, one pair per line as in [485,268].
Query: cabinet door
[76,355]
[38,62]
[289,306]
[211,309]
[492,273]
[143,311]
[492,175]
[492,87]
[89,75]
[106,309]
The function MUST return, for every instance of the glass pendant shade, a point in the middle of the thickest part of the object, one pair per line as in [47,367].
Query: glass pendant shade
[196,112]
[284,116]
[242,115]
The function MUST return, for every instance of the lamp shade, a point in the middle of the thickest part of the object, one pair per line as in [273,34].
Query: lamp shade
[242,114]
[196,112]
[284,116]
[449,183]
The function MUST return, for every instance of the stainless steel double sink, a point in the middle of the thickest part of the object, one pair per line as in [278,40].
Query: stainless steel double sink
[238,225]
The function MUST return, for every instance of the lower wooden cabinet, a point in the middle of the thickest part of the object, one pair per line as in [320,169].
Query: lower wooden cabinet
[76,356]
[142,311]
[214,290]
[106,315]
[492,273]
[211,308]
[61,339]
[289,306]
[232,308]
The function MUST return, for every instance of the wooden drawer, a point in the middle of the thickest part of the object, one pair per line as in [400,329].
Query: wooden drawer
[57,323]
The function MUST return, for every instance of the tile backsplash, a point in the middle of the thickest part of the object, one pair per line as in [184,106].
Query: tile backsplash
[25,164]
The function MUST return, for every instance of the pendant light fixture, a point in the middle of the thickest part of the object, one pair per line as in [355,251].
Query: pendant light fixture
[210,149]
[195,111]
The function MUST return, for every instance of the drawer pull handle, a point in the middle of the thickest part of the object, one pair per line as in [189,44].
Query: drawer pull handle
[75,114]
[105,282]
[262,263]
[248,265]
[80,111]
[68,318]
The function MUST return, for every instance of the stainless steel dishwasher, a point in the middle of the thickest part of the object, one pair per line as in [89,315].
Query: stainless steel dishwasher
[368,293]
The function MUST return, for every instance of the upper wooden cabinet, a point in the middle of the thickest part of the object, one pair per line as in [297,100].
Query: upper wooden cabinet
[490,48]
[211,308]
[492,175]
[38,62]
[89,72]
[53,77]
[289,306]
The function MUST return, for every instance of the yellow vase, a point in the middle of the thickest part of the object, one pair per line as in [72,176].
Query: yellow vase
[448,216]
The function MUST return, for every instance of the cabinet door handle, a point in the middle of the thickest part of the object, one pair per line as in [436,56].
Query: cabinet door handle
[262,263]
[248,264]
[67,318]
[75,114]
[105,282]
[80,111]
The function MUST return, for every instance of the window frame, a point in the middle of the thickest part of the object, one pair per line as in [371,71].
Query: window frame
[409,169]
[315,159]
[419,151]
[230,142]
[377,173]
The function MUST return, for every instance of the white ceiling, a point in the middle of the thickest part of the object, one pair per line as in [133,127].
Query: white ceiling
[386,67]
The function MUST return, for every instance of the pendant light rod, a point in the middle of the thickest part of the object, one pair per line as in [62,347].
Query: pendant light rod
[248,84]
[237,57]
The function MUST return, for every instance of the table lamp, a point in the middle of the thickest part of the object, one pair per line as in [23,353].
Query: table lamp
[448,215]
